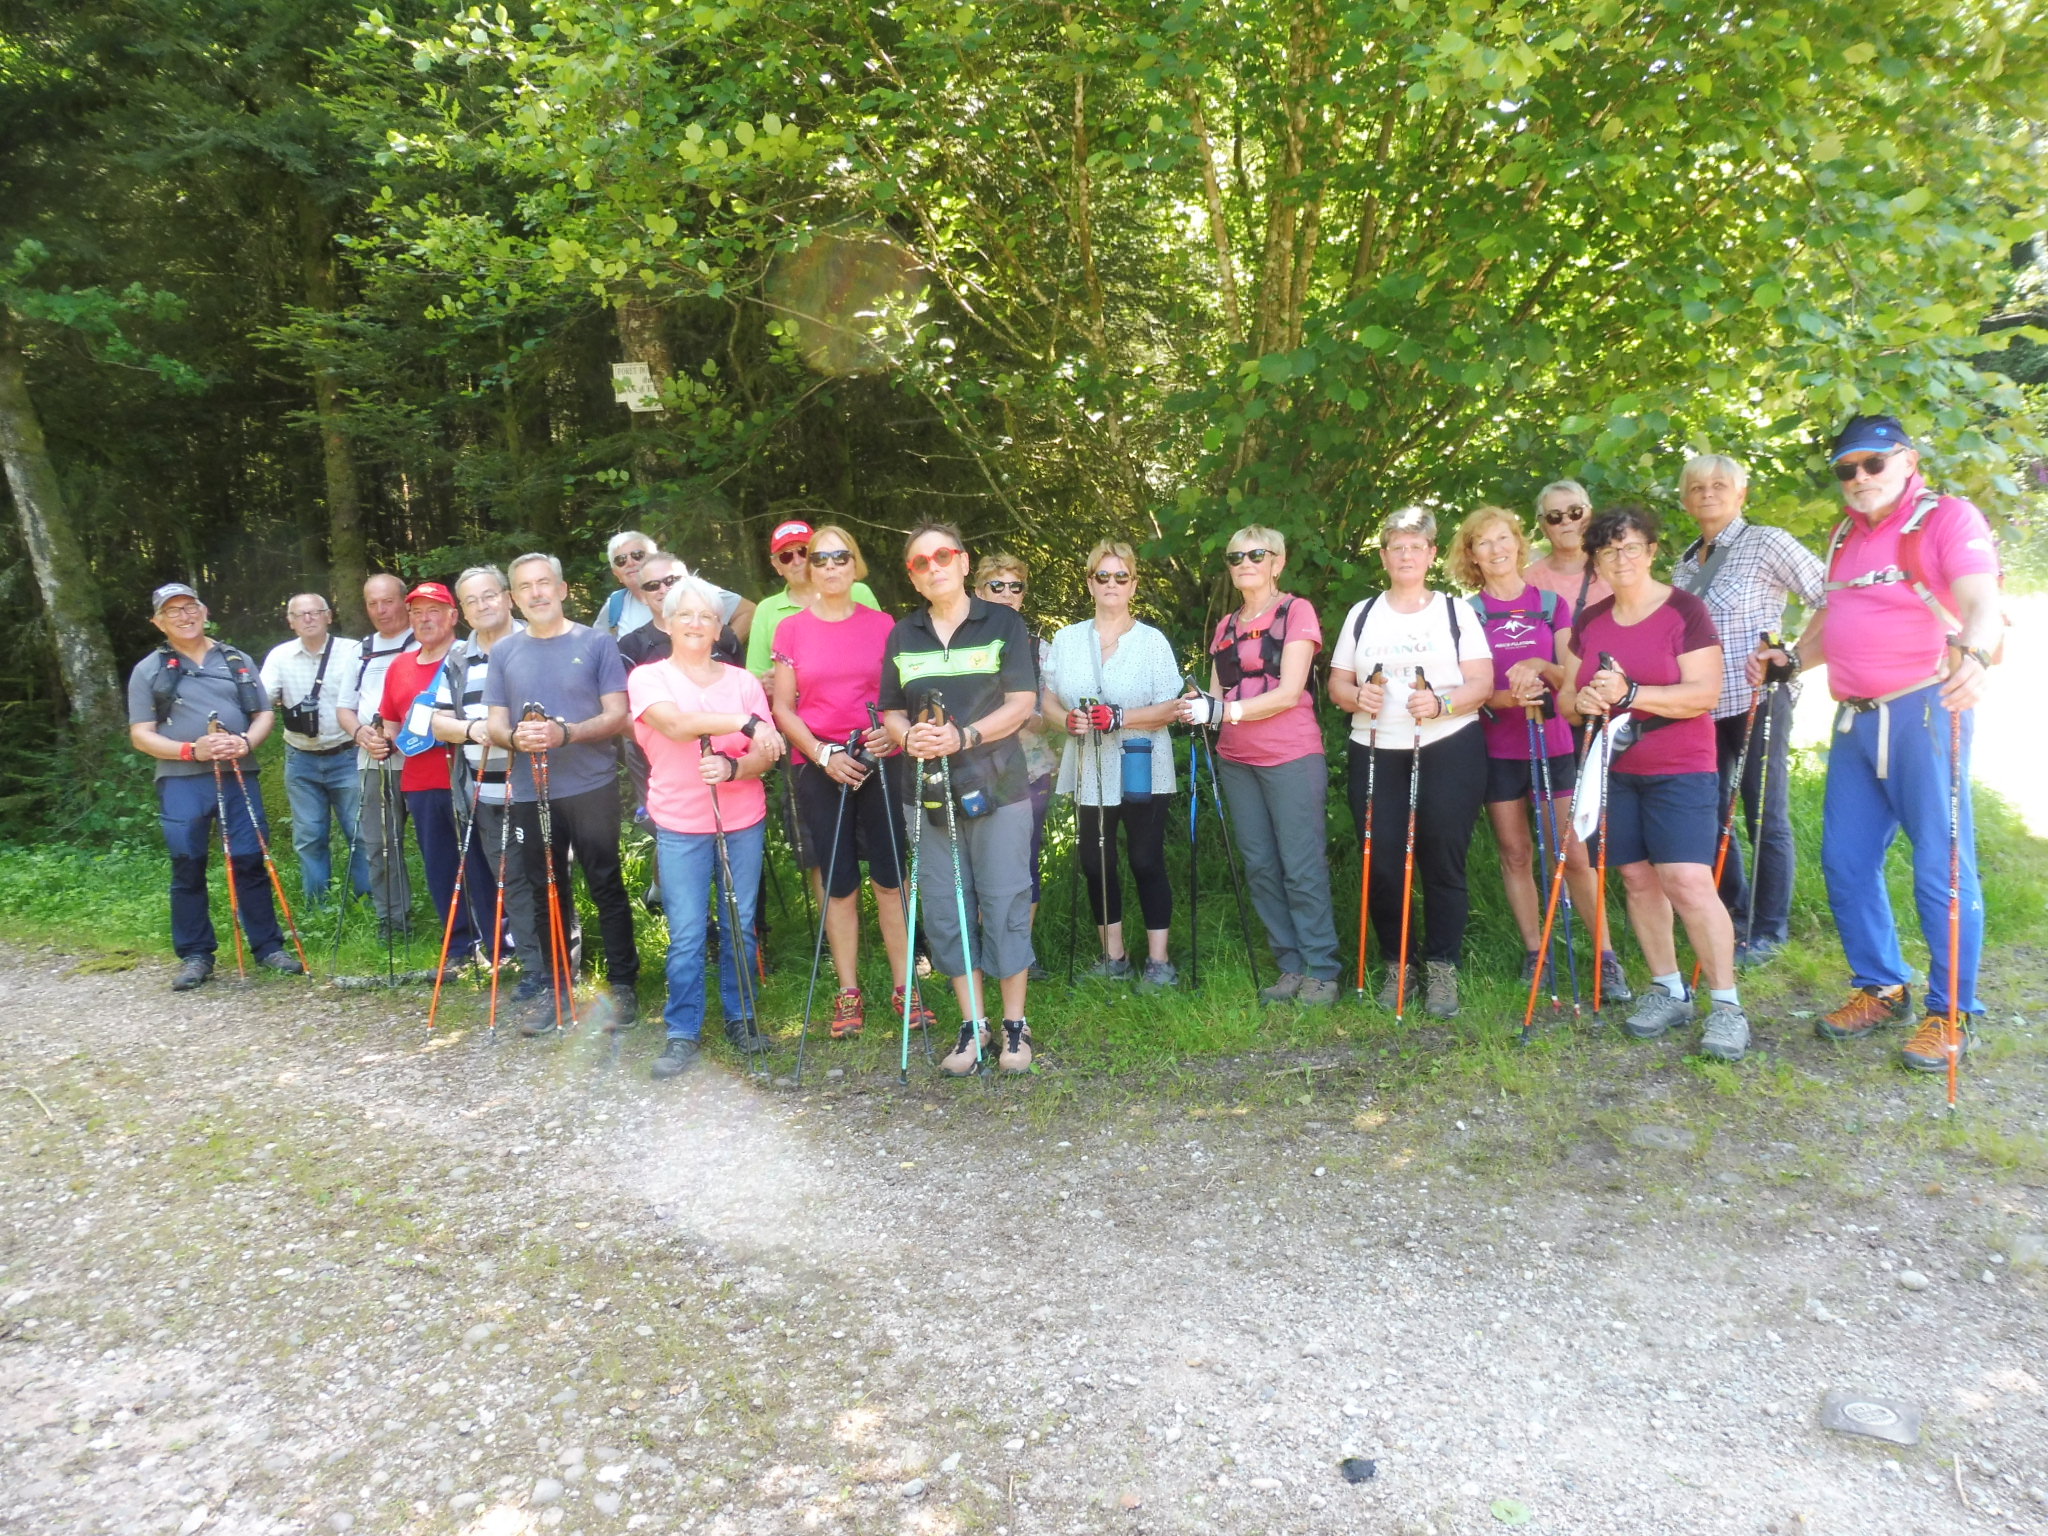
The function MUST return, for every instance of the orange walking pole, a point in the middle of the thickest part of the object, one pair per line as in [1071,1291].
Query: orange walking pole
[1408,872]
[1543,950]
[498,920]
[1372,737]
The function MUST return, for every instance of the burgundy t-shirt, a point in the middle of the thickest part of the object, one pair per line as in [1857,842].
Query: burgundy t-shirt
[1648,652]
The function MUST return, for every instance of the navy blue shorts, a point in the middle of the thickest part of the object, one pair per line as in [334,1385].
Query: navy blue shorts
[1507,778]
[1667,818]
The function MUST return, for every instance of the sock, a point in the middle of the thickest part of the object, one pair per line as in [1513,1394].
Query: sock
[1674,984]
[1724,995]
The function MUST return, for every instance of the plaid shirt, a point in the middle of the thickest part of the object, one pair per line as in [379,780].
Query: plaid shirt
[1763,568]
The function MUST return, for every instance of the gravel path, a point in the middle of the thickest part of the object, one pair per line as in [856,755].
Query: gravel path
[274,1260]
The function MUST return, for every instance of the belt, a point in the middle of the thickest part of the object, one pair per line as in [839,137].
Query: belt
[1847,710]
[321,751]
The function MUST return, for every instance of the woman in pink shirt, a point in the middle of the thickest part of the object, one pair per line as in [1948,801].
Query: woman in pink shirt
[676,704]
[1565,510]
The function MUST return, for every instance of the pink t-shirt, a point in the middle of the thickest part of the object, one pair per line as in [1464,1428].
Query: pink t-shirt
[838,666]
[1566,587]
[1294,732]
[1648,652]
[677,797]
[1880,639]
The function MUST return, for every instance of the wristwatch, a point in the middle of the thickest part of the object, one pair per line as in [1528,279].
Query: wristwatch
[561,724]
[753,724]
[1444,704]
[1977,654]
[825,751]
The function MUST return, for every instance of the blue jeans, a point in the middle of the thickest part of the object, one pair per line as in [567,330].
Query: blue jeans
[1865,813]
[688,862]
[188,812]
[316,784]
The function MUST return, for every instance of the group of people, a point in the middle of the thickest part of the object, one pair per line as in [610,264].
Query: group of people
[920,750]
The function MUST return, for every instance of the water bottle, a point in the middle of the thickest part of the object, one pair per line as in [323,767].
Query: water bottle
[1137,781]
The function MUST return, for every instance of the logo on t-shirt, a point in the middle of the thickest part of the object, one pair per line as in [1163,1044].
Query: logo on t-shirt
[1514,629]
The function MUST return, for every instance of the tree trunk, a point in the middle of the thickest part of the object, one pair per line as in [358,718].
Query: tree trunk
[347,553]
[84,656]
[642,340]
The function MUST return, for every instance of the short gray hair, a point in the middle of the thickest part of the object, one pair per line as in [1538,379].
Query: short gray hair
[482,570]
[692,586]
[1708,463]
[528,559]
[1409,520]
[619,541]
[1572,486]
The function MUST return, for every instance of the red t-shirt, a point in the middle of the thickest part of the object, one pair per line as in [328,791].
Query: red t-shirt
[1648,652]
[404,680]
[838,666]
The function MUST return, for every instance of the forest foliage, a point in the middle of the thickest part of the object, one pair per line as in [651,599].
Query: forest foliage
[299,289]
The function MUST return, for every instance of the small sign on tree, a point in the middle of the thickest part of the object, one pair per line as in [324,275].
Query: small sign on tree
[633,387]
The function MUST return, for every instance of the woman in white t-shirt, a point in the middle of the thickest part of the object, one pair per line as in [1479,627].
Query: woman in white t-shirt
[1395,632]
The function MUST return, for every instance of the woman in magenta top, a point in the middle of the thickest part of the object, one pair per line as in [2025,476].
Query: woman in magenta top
[1271,764]
[1649,658]
[828,672]
[676,704]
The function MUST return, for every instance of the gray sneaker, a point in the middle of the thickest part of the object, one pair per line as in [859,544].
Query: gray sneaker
[1440,999]
[1726,1036]
[1614,987]
[1108,969]
[1160,976]
[1283,990]
[1391,985]
[1657,1012]
[193,971]
[1316,993]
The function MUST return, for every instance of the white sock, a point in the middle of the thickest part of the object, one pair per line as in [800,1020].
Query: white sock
[1724,995]
[1674,984]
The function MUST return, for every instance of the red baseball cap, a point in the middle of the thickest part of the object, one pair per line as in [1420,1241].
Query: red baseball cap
[431,592]
[786,534]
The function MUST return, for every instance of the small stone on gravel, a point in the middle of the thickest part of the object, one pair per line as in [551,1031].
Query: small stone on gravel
[1912,1280]
[547,1491]
[914,1489]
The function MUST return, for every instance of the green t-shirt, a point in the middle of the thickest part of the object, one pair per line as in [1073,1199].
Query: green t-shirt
[768,616]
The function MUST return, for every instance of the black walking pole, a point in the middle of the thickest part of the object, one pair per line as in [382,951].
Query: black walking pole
[824,912]
[743,973]
[913,992]
[1194,886]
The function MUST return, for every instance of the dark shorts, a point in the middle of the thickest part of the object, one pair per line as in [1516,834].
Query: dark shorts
[863,832]
[1507,778]
[1667,818]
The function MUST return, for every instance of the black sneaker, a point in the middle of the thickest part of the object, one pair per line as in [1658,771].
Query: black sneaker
[676,1058]
[618,1010]
[282,961]
[531,985]
[196,971]
[746,1037]
[540,1017]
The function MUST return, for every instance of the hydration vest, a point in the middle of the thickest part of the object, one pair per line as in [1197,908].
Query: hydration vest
[170,676]
[1230,668]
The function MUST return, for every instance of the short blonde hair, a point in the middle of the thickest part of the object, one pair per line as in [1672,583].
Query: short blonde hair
[1259,536]
[1409,520]
[860,564]
[995,565]
[1116,547]
[1464,565]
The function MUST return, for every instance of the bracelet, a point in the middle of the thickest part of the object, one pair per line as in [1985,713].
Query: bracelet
[562,725]
[1445,708]
[185,752]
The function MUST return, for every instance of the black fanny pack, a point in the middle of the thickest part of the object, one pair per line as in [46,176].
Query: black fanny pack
[303,718]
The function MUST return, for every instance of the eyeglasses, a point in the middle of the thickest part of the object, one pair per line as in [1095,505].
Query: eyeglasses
[1634,549]
[995,584]
[626,557]
[661,583]
[1105,578]
[182,611]
[824,557]
[1872,465]
[1256,556]
[792,555]
[938,558]
[1566,514]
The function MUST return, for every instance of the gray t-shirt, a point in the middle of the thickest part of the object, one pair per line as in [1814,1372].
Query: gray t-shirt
[208,688]
[566,675]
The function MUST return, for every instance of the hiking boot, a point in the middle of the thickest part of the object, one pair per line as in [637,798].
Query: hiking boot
[1529,966]
[195,971]
[921,1017]
[745,1037]
[1283,990]
[1757,952]
[964,1059]
[1110,968]
[1440,994]
[1656,1013]
[1868,1009]
[1316,992]
[617,1011]
[283,961]
[1614,987]
[676,1058]
[1160,976]
[531,985]
[1038,973]
[849,1016]
[540,1017]
[1016,1053]
[1926,1050]
[1726,1036]
[1390,988]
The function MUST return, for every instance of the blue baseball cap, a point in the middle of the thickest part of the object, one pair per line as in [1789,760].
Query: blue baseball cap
[1869,434]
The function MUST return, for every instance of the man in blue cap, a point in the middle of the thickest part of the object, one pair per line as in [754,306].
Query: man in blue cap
[1908,630]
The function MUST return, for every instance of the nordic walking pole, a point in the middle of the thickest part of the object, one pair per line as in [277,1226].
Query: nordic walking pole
[910,916]
[558,946]
[736,953]
[291,923]
[498,919]
[227,854]
[1194,886]
[1734,803]
[1951,1032]
[1756,830]
[818,946]
[1558,834]
[1408,864]
[455,901]
[1607,664]
[1546,957]
[1244,922]
[938,706]
[1378,676]
[796,844]
[912,992]
[349,892]
[1549,918]
[1099,898]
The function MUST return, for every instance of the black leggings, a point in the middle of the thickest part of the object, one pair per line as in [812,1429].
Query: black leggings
[1453,788]
[589,824]
[1144,825]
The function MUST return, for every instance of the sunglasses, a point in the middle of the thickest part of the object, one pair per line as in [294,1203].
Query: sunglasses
[826,557]
[938,558]
[627,557]
[997,585]
[661,583]
[793,554]
[1566,514]
[1104,578]
[1872,465]
[1256,556]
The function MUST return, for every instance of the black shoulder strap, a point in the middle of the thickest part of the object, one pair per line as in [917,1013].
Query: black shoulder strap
[320,676]
[249,692]
[1585,586]
[163,688]
[1358,624]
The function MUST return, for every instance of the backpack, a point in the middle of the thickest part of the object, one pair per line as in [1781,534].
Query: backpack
[1272,645]
[1911,569]
[1451,606]
[170,676]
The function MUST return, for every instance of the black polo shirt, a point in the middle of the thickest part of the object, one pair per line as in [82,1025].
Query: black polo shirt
[989,655]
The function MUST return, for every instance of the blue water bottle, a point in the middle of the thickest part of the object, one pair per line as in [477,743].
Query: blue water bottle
[1137,782]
